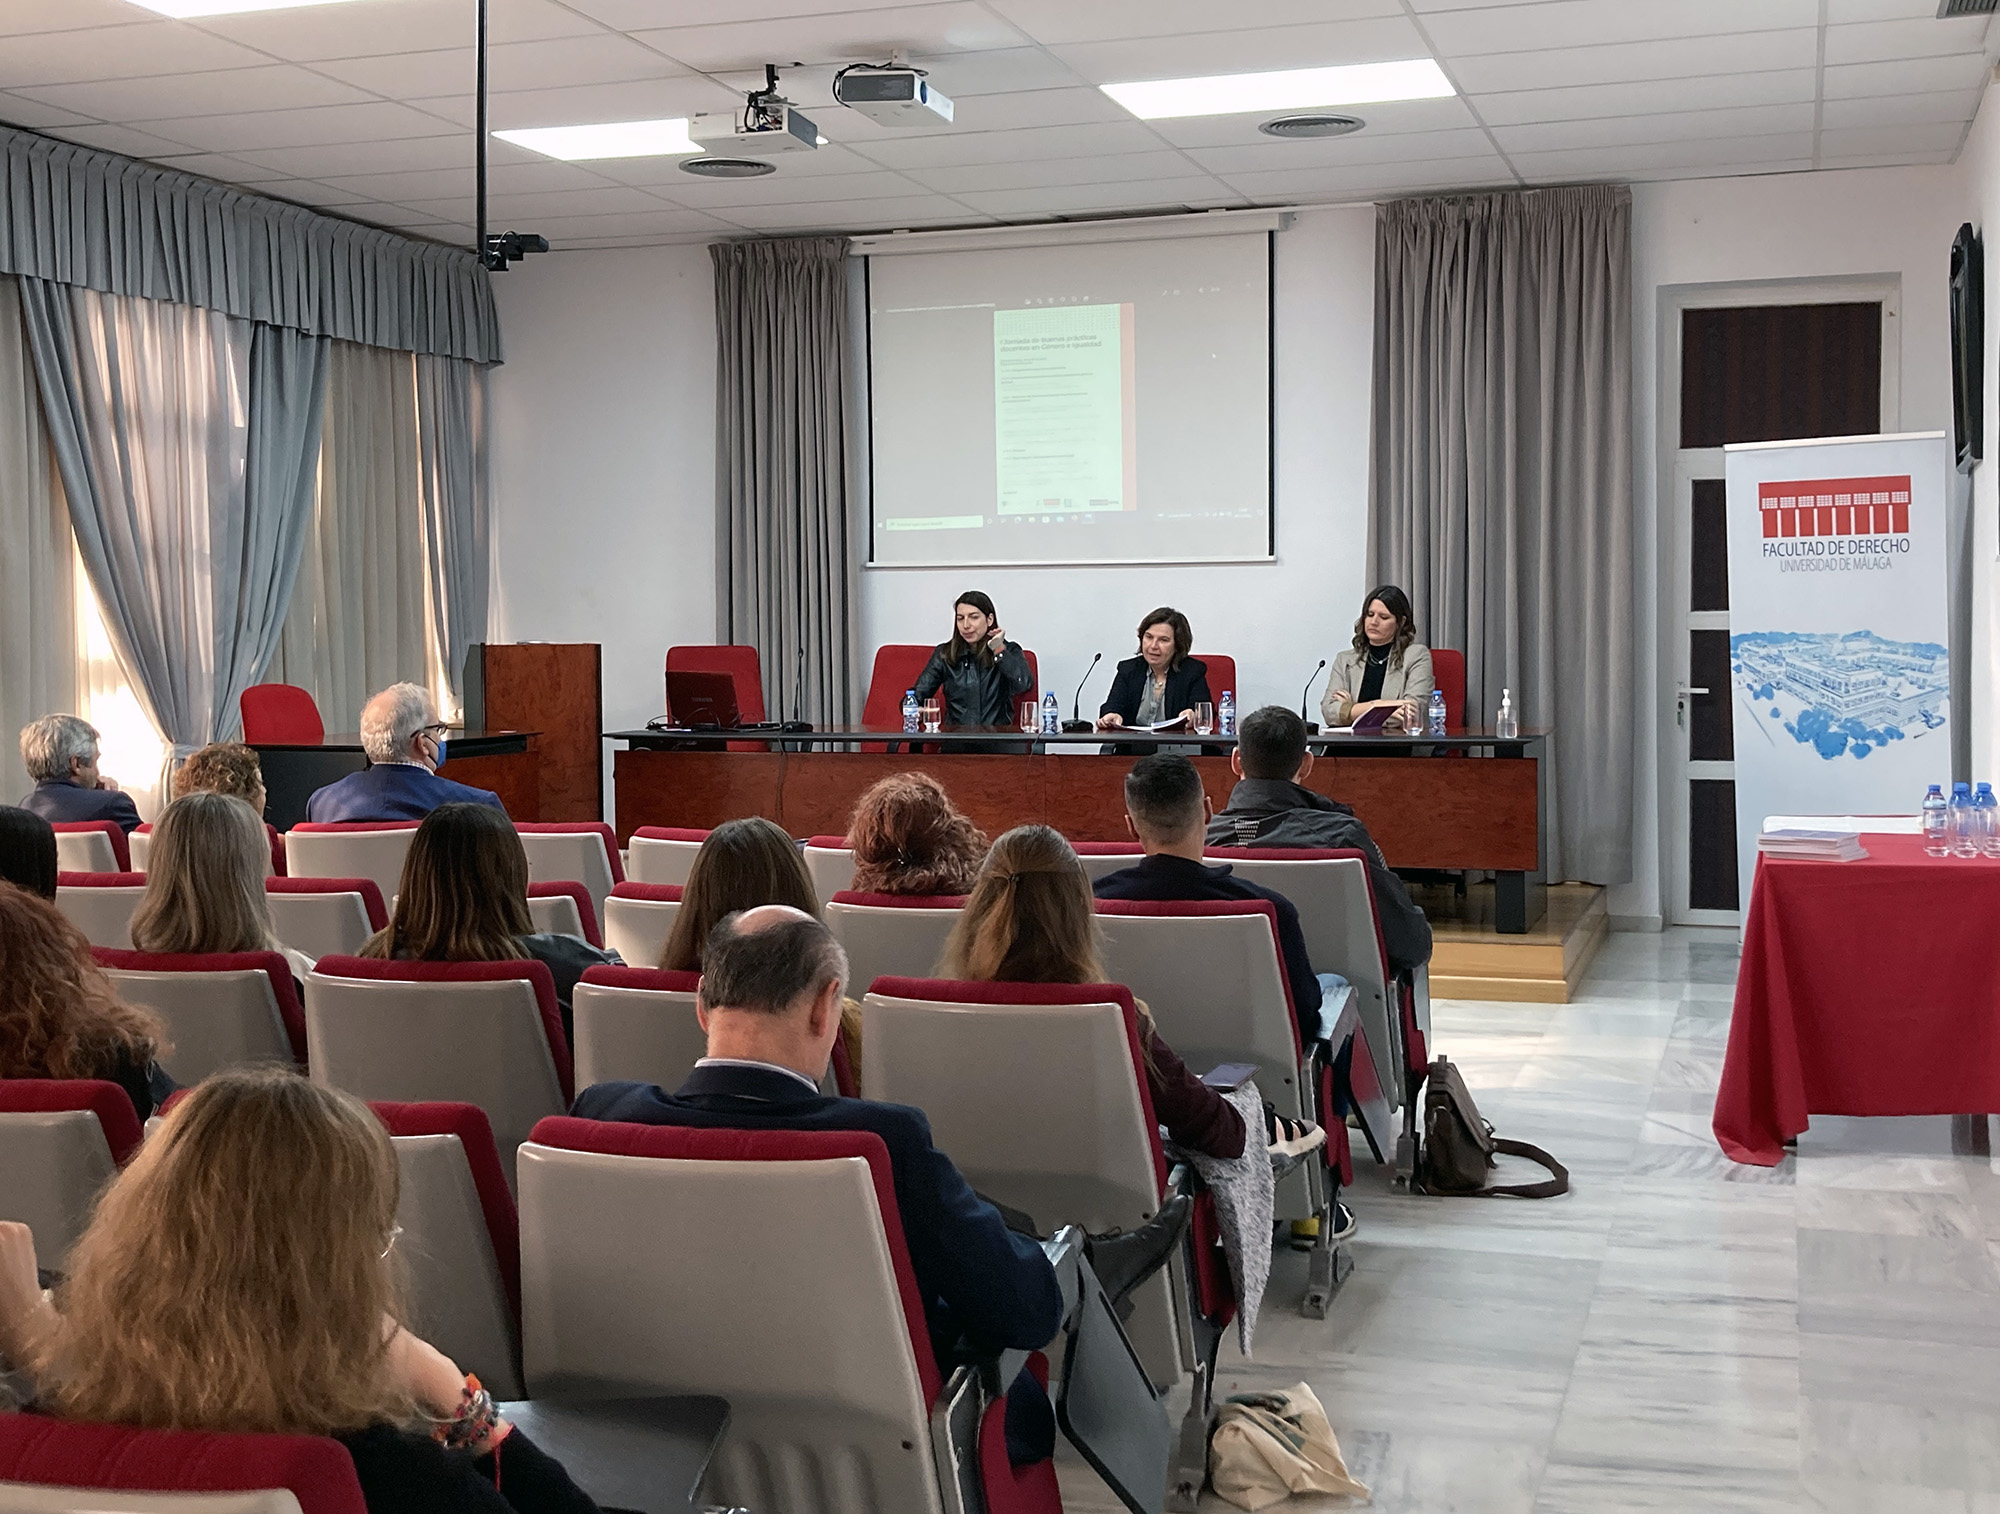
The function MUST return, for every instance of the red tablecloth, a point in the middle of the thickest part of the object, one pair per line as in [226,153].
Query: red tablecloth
[1868,987]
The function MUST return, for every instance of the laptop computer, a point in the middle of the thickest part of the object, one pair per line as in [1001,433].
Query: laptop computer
[703,701]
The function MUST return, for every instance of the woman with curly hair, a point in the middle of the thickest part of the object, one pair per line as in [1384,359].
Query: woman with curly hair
[230,767]
[908,838]
[60,1016]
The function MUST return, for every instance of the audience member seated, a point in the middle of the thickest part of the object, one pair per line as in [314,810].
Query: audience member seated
[241,1275]
[59,1015]
[1029,920]
[27,851]
[60,754]
[1270,806]
[404,740]
[772,983]
[205,883]
[230,767]
[908,838]
[464,898]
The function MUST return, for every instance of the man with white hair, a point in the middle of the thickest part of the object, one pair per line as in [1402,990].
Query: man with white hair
[60,754]
[404,742]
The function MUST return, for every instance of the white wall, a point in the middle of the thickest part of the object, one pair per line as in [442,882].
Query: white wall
[1276,619]
[604,462]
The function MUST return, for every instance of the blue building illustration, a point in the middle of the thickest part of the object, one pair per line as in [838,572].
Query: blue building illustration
[1843,694]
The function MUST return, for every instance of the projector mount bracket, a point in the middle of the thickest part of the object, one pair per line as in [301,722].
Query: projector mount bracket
[495,249]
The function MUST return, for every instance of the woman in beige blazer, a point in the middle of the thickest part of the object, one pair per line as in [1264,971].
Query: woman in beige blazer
[1386,665]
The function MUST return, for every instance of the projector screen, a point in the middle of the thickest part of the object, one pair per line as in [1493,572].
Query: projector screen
[1107,402]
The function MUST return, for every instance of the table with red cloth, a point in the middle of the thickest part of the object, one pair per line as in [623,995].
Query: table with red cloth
[1866,988]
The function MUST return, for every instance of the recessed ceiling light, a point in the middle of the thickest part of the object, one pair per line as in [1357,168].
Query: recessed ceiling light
[608,139]
[1287,89]
[728,168]
[182,10]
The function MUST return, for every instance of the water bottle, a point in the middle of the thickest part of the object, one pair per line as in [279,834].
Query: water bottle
[1937,827]
[1437,712]
[1964,840]
[1225,713]
[1986,810]
[912,721]
[1051,715]
[1506,727]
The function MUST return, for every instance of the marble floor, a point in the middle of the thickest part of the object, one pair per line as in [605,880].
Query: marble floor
[1679,1332]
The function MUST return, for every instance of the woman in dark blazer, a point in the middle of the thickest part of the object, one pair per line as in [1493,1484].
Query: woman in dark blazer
[980,672]
[1162,682]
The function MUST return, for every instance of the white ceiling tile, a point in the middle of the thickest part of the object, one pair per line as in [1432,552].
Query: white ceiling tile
[333,160]
[1934,136]
[19,110]
[611,199]
[631,100]
[1840,12]
[1011,146]
[1392,118]
[555,64]
[1685,126]
[1047,171]
[1686,58]
[20,17]
[1338,152]
[1080,106]
[1054,22]
[422,185]
[1647,97]
[1583,23]
[222,168]
[782,189]
[328,197]
[839,215]
[1887,159]
[1897,110]
[377,122]
[664,218]
[1000,70]
[643,15]
[309,33]
[1272,186]
[1877,41]
[148,50]
[1378,39]
[123,139]
[960,26]
[1724,152]
[1072,199]
[1906,76]
[276,86]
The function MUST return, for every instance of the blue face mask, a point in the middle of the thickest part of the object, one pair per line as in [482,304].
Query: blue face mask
[440,751]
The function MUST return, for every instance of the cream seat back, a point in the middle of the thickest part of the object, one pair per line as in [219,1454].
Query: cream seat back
[890,936]
[636,1025]
[1101,858]
[556,914]
[458,1298]
[140,844]
[666,857]
[61,1141]
[228,1017]
[638,918]
[330,923]
[101,904]
[340,851]
[830,863]
[87,851]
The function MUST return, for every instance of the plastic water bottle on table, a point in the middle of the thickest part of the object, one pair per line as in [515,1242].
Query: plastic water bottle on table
[912,722]
[1937,824]
[1986,811]
[1051,715]
[1225,713]
[1437,712]
[1964,838]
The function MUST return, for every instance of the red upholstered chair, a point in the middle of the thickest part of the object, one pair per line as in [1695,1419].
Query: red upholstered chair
[898,935]
[897,665]
[280,714]
[484,1033]
[830,864]
[92,846]
[222,1009]
[309,1474]
[584,851]
[1222,676]
[350,849]
[1448,669]
[1101,857]
[745,672]
[836,1401]
[565,909]
[101,904]
[461,1239]
[662,853]
[61,1141]
[638,918]
[325,917]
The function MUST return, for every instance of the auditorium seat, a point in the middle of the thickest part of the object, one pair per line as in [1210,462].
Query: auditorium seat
[101,904]
[484,1033]
[61,1141]
[92,846]
[115,1468]
[891,935]
[583,852]
[461,1240]
[836,1402]
[897,665]
[638,917]
[222,1009]
[1101,857]
[1448,671]
[348,849]
[830,863]
[635,1024]
[662,853]
[565,910]
[325,917]
[280,714]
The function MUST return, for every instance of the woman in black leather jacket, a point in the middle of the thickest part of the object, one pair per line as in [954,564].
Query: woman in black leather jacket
[980,672]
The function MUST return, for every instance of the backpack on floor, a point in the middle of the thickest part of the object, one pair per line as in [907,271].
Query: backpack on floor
[1458,1146]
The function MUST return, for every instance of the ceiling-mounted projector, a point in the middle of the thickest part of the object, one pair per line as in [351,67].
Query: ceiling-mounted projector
[891,95]
[767,123]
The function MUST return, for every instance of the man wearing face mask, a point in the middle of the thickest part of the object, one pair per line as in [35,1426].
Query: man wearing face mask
[404,741]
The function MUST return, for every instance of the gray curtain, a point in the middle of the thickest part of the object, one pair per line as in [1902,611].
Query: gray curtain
[37,610]
[451,431]
[357,622]
[1501,476]
[785,570]
[184,459]
[75,215]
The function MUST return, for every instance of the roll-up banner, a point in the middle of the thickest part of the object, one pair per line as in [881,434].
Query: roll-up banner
[1839,636]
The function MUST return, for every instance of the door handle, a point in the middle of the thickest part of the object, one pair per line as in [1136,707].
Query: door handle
[1681,693]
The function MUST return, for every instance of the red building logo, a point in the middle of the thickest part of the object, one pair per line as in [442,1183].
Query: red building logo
[1836,506]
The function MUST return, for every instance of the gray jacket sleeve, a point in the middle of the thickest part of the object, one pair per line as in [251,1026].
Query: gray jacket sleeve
[1341,680]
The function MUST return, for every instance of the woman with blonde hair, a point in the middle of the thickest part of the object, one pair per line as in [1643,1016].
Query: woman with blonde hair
[908,838]
[1031,919]
[205,882]
[241,1275]
[60,1016]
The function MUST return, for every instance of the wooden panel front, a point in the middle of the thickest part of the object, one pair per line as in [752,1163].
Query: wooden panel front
[1424,812]
[554,688]
[514,776]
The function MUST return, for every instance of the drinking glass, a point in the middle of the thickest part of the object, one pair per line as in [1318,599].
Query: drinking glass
[931,713]
[1204,718]
[1031,717]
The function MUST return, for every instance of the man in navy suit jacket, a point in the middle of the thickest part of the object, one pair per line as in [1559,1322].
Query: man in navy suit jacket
[769,1002]
[60,754]
[404,741]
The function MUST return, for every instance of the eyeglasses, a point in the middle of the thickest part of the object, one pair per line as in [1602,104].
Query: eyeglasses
[394,1231]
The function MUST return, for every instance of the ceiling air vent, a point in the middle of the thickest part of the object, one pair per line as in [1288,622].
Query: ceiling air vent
[1949,8]
[726,168]
[1318,124]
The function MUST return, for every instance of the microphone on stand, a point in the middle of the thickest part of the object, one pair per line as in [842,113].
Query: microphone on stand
[1076,722]
[1307,690]
[798,722]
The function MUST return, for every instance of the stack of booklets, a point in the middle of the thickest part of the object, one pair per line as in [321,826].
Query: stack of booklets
[1812,846]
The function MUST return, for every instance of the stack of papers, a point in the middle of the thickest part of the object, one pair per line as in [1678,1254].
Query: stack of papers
[1812,846]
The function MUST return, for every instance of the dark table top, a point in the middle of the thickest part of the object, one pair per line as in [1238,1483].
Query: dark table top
[1343,741]
[647,1454]
[470,742]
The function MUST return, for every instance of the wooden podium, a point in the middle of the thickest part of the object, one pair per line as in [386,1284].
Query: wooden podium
[555,688]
